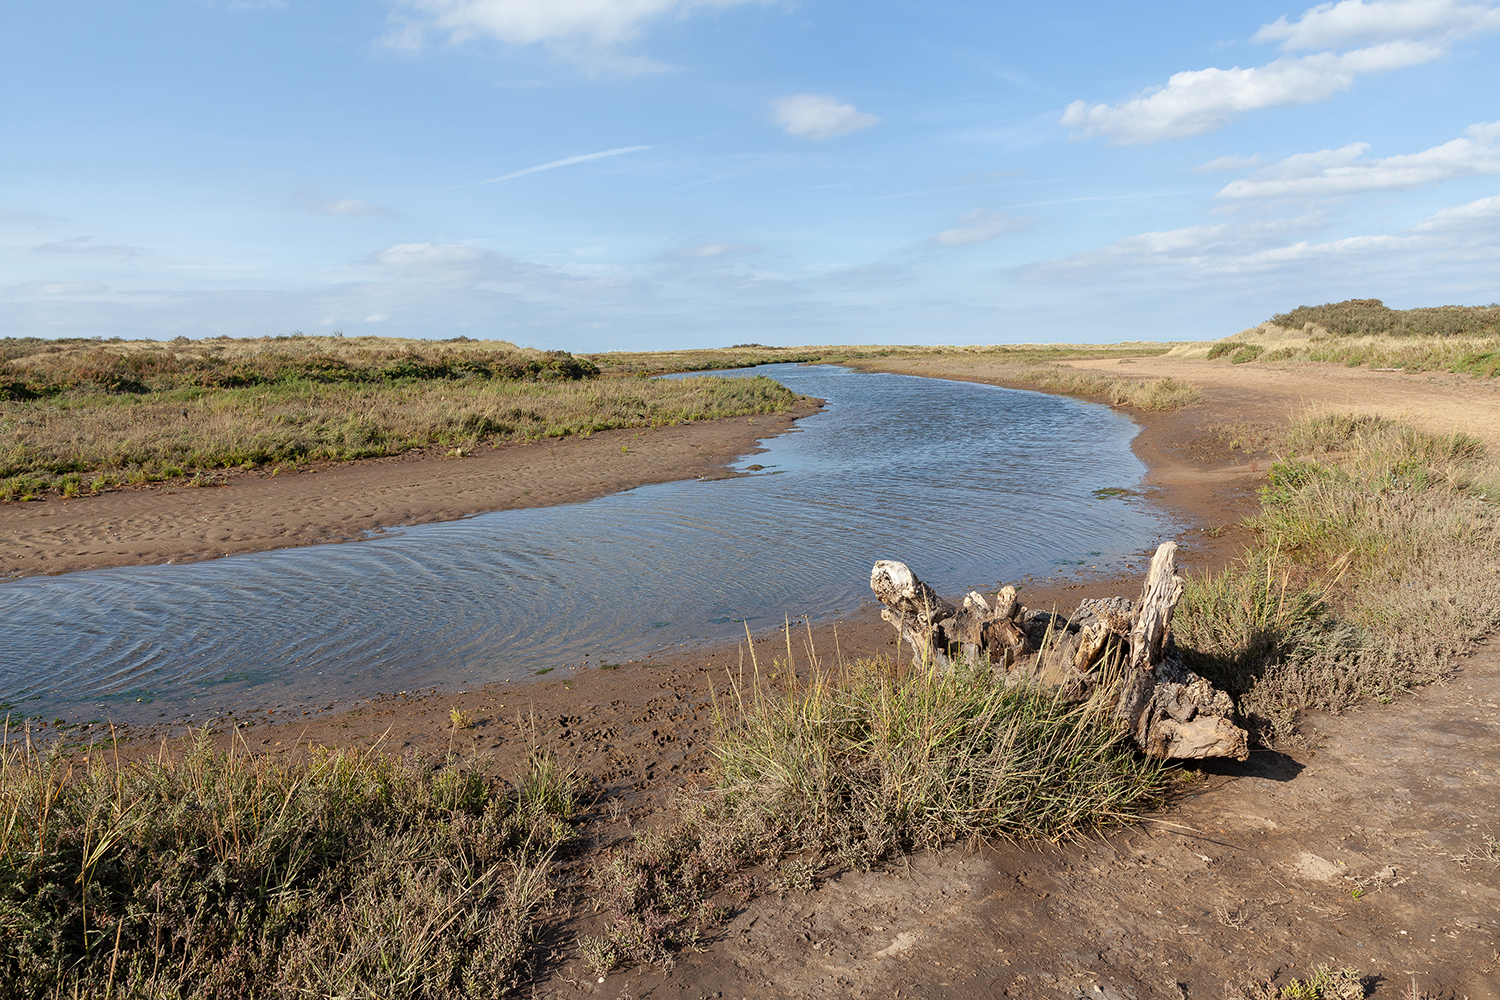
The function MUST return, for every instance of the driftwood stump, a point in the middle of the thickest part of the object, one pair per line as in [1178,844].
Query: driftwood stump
[1171,712]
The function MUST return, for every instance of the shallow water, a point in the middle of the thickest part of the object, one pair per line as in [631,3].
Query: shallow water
[972,485]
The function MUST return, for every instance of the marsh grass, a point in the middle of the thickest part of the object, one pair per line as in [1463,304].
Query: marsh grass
[1377,561]
[1158,395]
[210,874]
[55,443]
[846,767]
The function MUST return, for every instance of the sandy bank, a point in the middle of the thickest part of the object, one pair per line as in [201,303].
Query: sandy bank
[340,502]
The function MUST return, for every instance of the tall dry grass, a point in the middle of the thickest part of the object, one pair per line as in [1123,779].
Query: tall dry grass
[1377,562]
[211,874]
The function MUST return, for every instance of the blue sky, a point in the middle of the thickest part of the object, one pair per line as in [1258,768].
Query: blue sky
[634,174]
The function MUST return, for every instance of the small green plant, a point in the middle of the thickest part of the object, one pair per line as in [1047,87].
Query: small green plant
[600,956]
[459,718]
[1325,983]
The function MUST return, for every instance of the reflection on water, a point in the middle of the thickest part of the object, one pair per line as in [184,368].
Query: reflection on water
[971,484]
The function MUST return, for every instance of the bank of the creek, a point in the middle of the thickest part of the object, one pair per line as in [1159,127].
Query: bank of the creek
[978,485]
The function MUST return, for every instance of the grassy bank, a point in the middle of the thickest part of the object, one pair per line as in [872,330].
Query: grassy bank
[1376,563]
[207,874]
[88,437]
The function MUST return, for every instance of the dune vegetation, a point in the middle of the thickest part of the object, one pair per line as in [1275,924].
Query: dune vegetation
[1365,332]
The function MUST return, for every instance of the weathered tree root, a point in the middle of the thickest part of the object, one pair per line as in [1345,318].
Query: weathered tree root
[1171,712]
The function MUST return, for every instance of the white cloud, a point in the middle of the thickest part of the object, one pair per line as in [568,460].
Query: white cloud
[1202,100]
[376,318]
[593,24]
[819,116]
[1355,22]
[1343,171]
[980,225]
[344,206]
[1228,163]
[1481,214]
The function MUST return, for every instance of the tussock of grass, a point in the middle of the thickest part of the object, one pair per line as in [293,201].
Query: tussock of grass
[1158,395]
[877,758]
[226,875]
[98,440]
[858,764]
[1377,562]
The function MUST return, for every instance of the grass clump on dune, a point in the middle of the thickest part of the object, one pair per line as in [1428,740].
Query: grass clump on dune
[1376,563]
[856,765]
[227,875]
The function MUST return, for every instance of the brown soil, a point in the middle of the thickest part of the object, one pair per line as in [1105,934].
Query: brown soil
[341,502]
[1367,849]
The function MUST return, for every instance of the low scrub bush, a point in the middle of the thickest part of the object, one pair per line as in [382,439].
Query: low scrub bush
[1373,318]
[208,874]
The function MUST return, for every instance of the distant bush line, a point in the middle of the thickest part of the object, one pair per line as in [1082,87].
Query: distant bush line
[1373,318]
[32,368]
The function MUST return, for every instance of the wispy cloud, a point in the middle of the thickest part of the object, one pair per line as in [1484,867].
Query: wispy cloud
[1203,100]
[1463,233]
[587,31]
[1228,163]
[1341,171]
[1483,213]
[819,116]
[344,206]
[980,225]
[27,289]
[566,161]
[1355,22]
[86,245]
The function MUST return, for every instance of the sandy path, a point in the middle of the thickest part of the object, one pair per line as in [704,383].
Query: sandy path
[1435,401]
[341,502]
